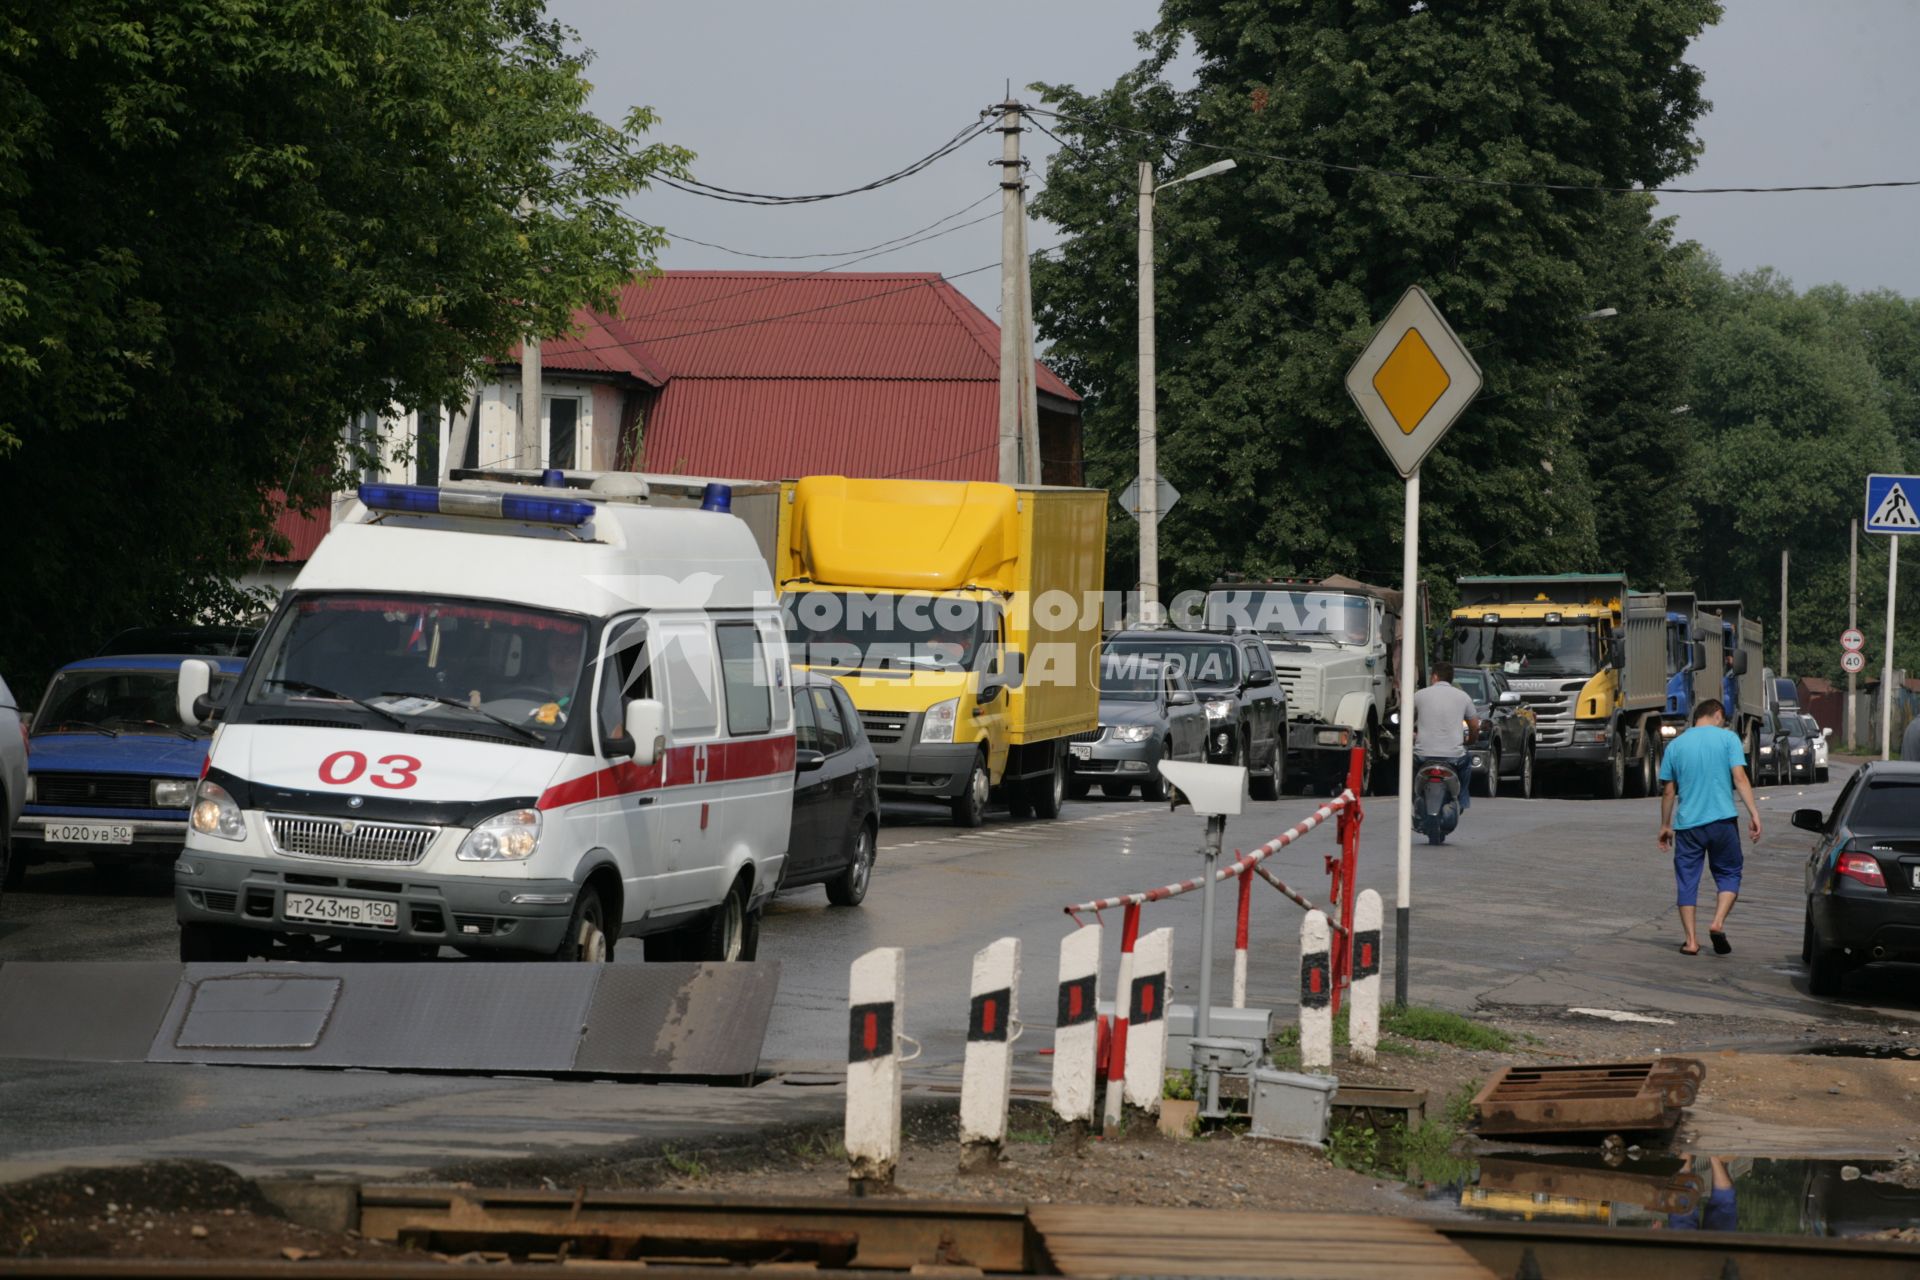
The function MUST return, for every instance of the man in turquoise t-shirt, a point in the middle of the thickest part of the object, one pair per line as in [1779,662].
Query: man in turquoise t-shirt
[1701,768]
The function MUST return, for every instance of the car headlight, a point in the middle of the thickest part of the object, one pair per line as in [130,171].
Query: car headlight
[1799,751]
[1669,730]
[1766,751]
[1131,732]
[939,721]
[505,837]
[1219,708]
[172,793]
[215,813]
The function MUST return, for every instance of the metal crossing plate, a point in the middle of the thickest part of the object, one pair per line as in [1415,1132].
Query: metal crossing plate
[679,1020]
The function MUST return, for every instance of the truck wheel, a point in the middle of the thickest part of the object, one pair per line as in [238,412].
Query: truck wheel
[1049,794]
[586,938]
[1613,777]
[212,944]
[1267,786]
[970,806]
[1640,781]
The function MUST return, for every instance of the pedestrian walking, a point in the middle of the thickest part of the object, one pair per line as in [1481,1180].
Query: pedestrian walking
[1701,770]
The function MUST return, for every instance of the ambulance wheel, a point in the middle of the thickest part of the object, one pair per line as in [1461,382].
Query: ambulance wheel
[730,931]
[212,944]
[1048,794]
[587,939]
[970,806]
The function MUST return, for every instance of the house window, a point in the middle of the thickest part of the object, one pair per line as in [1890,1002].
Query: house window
[363,446]
[426,446]
[563,432]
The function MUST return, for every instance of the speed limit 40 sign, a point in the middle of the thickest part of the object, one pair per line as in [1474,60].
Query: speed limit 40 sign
[1853,662]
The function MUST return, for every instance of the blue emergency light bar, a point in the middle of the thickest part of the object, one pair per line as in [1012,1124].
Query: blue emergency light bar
[428,500]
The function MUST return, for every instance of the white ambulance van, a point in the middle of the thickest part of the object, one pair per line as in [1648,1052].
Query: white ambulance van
[516,720]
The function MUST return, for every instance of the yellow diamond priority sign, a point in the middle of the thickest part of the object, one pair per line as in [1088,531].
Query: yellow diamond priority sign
[1413,380]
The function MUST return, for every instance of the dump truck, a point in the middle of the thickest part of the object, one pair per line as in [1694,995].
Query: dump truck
[1741,682]
[963,618]
[1693,639]
[1335,644]
[1589,655]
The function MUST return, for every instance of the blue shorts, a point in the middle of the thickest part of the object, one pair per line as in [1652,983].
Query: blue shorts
[1715,843]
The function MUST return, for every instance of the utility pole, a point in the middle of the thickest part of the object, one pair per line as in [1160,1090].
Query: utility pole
[1029,375]
[1853,622]
[526,442]
[1783,613]
[1011,266]
[1149,482]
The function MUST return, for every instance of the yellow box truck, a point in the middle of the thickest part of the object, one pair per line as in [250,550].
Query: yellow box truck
[963,618]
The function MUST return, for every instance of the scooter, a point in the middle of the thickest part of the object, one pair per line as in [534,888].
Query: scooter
[1436,791]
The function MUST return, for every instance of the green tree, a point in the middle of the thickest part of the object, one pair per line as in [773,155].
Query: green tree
[1272,277]
[228,225]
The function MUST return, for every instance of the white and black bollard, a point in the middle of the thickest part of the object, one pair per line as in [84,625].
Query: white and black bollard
[988,1073]
[1076,1035]
[1316,994]
[1363,1006]
[1147,1021]
[876,996]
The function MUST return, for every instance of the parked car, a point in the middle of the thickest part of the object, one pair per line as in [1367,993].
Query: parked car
[112,771]
[1148,713]
[1233,678]
[188,641]
[1505,748]
[1796,749]
[13,782]
[1863,876]
[1770,762]
[836,794]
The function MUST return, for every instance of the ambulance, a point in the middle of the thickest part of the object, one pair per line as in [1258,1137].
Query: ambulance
[524,721]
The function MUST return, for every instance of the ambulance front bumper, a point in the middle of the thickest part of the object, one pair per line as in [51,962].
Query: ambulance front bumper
[426,910]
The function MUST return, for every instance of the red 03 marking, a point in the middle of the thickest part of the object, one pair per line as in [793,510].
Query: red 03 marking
[343,768]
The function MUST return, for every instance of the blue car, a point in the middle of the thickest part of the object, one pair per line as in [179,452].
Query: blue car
[110,769]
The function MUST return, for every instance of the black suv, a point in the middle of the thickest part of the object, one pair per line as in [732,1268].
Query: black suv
[1233,678]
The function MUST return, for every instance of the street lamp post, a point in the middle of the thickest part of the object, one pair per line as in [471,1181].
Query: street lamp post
[1149,483]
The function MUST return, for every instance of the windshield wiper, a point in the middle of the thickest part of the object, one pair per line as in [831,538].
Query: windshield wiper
[82,724]
[502,721]
[157,724]
[321,691]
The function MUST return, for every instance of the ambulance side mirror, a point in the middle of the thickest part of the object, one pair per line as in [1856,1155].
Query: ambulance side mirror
[646,724]
[190,700]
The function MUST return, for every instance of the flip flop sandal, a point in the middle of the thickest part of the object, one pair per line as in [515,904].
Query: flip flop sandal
[1685,952]
[1720,943]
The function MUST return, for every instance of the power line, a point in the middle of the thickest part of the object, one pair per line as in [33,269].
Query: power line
[693,186]
[1409,175]
[848,253]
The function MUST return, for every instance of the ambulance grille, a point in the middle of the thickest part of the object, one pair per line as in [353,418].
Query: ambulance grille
[348,840]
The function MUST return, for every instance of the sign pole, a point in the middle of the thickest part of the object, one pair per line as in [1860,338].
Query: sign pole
[1886,673]
[1853,621]
[1409,683]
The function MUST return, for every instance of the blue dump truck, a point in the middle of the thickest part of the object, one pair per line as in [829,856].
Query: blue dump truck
[1737,659]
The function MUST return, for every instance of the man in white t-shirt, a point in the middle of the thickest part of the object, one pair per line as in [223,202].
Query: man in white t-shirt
[1439,733]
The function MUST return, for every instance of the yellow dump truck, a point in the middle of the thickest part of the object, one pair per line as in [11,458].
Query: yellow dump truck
[963,618]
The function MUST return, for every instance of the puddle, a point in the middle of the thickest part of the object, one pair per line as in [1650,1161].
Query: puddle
[1876,1052]
[1778,1197]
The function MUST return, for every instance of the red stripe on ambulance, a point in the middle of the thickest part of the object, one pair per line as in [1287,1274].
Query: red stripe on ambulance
[701,762]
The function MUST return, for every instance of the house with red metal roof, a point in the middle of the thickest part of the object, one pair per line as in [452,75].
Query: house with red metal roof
[749,375]
[763,375]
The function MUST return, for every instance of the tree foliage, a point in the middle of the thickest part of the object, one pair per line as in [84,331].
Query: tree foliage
[228,225]
[1272,277]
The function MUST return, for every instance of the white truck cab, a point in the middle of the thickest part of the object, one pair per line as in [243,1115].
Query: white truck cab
[519,720]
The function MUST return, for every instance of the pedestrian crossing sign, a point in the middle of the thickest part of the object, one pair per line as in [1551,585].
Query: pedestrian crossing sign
[1890,504]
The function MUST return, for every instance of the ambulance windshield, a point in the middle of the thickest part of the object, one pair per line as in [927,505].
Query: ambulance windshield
[421,662]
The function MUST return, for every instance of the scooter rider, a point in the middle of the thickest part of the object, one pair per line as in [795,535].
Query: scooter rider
[1438,713]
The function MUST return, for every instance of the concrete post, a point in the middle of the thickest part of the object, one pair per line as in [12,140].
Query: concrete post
[875,997]
[1363,1016]
[1147,1018]
[1316,993]
[988,1073]
[1076,1036]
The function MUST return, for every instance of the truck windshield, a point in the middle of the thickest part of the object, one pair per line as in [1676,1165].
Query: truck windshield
[1679,650]
[404,661]
[1209,667]
[1540,649]
[115,702]
[880,630]
[1302,615]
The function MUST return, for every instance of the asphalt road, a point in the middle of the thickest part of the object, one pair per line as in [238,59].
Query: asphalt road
[1544,905]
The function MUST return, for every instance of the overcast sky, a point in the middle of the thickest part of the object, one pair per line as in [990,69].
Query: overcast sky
[820,95]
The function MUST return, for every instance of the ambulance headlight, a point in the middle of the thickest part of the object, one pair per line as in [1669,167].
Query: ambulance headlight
[939,722]
[512,836]
[215,813]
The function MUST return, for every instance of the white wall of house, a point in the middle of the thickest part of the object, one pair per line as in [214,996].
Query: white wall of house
[578,424]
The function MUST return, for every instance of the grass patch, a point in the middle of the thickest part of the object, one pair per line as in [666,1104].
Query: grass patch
[1179,1086]
[1440,1027]
[1426,1153]
[685,1166]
